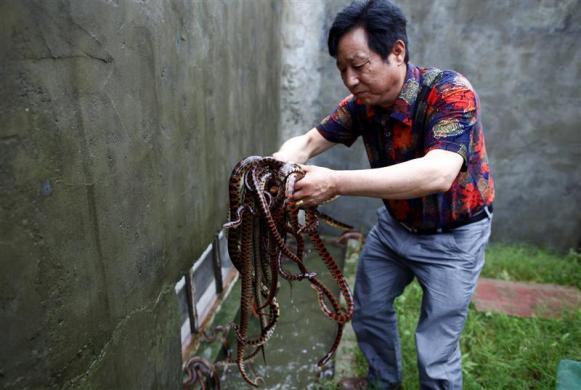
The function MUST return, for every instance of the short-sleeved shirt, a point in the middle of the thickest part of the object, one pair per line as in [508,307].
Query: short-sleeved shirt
[452,123]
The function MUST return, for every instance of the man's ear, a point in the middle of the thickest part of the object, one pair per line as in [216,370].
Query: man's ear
[398,52]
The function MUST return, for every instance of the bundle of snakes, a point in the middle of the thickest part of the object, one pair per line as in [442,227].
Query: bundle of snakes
[265,235]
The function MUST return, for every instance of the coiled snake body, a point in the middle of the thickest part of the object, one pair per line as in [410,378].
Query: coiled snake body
[261,223]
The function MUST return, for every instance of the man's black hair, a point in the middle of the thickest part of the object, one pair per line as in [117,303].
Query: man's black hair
[383,21]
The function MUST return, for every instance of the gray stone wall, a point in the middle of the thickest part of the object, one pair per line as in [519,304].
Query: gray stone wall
[523,59]
[120,122]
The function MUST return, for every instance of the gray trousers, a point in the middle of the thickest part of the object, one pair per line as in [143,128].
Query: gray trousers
[446,266]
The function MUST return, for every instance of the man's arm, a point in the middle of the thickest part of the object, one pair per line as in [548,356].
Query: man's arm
[435,172]
[300,149]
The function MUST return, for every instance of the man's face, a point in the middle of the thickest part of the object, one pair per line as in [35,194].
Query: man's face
[368,77]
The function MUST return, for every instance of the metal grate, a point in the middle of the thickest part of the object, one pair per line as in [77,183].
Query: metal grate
[203,273]
[201,287]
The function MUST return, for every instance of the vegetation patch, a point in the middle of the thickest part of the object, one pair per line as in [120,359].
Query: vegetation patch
[499,351]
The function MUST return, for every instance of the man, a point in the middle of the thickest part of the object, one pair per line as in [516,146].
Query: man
[422,132]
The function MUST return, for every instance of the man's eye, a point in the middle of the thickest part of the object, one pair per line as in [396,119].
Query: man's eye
[360,66]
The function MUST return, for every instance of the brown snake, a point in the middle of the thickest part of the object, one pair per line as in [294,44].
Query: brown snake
[261,222]
[198,371]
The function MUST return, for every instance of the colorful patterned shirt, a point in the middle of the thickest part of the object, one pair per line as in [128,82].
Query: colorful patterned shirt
[452,123]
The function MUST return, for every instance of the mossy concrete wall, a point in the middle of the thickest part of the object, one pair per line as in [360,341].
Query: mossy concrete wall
[523,59]
[120,122]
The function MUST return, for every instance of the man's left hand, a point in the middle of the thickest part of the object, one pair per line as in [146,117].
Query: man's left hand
[317,186]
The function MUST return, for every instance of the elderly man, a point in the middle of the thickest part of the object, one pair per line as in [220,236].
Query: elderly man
[424,139]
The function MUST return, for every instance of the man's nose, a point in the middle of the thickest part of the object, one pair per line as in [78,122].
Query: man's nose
[351,80]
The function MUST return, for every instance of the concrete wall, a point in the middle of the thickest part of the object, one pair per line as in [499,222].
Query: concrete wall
[310,89]
[300,68]
[524,60]
[120,122]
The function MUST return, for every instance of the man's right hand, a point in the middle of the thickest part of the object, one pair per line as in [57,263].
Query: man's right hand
[299,149]
[281,156]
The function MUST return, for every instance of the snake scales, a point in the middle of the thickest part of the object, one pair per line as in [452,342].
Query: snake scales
[262,226]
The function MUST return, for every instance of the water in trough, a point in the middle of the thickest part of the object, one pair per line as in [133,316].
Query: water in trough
[303,335]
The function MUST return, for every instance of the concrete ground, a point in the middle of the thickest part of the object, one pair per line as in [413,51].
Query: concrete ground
[523,299]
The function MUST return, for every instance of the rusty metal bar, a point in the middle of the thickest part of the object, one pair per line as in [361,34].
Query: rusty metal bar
[192,312]
[217,262]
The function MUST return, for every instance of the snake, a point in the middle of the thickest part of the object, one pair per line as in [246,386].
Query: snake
[262,224]
[198,371]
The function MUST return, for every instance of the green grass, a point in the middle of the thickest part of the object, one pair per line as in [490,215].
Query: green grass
[526,263]
[499,351]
